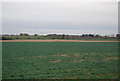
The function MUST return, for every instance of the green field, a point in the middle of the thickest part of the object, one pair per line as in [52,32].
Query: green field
[60,60]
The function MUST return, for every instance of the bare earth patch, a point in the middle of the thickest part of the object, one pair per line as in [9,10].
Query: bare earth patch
[55,61]
[64,55]
[79,60]
[110,58]
[77,55]
[39,56]
[56,40]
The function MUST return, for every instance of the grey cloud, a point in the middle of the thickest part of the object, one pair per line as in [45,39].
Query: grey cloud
[62,17]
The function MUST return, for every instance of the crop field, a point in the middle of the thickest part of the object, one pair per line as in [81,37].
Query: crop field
[60,60]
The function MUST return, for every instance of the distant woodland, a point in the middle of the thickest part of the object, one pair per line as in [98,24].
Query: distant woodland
[23,36]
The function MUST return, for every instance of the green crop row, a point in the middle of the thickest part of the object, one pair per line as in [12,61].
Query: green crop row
[60,60]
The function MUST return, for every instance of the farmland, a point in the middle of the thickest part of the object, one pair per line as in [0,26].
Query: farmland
[60,60]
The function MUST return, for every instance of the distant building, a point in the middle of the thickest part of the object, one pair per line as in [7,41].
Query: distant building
[118,36]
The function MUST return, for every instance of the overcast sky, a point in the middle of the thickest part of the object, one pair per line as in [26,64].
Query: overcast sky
[68,17]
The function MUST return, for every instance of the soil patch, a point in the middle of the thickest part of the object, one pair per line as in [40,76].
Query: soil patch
[64,55]
[55,61]
[110,58]
[77,55]
[79,60]
[39,56]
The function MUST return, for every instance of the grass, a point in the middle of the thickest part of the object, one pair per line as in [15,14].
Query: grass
[60,60]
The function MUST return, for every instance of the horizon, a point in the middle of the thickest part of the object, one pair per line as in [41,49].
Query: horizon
[110,35]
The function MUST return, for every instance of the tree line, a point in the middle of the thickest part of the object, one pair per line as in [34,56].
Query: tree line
[83,35]
[51,36]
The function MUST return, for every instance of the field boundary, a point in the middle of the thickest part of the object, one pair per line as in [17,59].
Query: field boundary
[57,40]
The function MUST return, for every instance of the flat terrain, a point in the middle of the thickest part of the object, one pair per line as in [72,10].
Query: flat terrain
[60,60]
[58,40]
